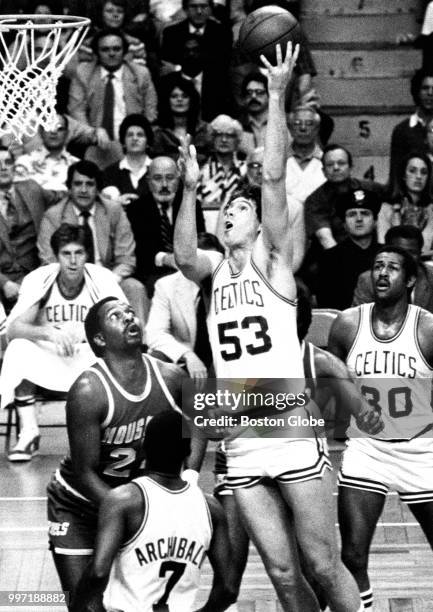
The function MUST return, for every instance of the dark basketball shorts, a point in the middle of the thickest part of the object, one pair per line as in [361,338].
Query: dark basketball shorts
[72,521]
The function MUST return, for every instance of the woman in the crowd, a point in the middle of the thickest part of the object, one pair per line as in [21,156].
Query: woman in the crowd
[125,180]
[410,200]
[178,115]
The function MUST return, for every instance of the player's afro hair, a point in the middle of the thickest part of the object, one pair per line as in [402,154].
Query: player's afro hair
[167,442]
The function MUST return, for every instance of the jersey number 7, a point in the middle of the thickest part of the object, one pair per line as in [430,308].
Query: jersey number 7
[177,570]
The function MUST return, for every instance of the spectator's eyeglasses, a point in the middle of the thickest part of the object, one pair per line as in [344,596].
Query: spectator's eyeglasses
[107,49]
[225,134]
[6,163]
[308,123]
[197,7]
[254,165]
[256,92]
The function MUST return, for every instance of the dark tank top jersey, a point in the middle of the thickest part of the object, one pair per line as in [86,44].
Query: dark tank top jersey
[122,432]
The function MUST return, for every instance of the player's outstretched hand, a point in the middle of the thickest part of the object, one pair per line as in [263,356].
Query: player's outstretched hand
[369,420]
[280,75]
[188,164]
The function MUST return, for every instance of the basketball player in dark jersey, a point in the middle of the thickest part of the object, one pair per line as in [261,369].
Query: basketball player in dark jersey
[107,411]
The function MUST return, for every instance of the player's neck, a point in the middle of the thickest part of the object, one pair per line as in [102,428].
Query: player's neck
[238,257]
[128,369]
[168,481]
[390,314]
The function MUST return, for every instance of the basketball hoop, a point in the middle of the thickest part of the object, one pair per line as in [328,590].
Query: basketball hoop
[28,78]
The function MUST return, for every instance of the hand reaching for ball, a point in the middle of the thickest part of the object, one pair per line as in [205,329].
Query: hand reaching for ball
[279,76]
[187,163]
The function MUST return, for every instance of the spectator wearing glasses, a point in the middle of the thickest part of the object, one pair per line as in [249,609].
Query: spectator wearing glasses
[304,171]
[48,165]
[254,91]
[222,173]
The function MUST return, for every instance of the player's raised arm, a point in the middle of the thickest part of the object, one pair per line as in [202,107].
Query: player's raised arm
[275,212]
[194,264]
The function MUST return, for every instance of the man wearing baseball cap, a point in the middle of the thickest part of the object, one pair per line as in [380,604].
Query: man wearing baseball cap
[341,265]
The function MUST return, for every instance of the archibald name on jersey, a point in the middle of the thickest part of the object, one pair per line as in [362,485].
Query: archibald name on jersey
[173,548]
[125,434]
[237,293]
[61,313]
[386,362]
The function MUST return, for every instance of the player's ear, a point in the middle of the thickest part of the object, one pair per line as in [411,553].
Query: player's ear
[411,282]
[99,340]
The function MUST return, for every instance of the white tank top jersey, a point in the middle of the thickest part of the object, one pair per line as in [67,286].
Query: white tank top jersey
[159,568]
[393,376]
[252,328]
[58,311]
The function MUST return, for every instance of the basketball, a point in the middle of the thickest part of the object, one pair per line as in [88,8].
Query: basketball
[264,28]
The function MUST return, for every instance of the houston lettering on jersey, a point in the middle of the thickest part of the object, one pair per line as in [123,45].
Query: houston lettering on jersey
[237,293]
[173,548]
[386,362]
[124,434]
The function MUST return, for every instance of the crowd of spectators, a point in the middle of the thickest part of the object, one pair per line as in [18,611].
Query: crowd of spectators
[148,74]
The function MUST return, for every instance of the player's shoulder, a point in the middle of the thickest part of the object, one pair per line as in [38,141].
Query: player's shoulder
[88,387]
[425,324]
[173,375]
[347,320]
[126,496]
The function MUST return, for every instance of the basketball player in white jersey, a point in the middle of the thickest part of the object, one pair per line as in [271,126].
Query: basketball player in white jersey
[388,349]
[154,534]
[47,344]
[107,411]
[252,329]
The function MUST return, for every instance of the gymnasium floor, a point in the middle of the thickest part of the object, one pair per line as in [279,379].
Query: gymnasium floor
[401,561]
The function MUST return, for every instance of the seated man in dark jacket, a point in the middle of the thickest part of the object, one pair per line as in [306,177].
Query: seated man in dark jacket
[340,266]
[152,219]
[409,238]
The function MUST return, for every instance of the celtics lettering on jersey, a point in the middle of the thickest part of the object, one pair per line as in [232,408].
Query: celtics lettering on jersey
[67,314]
[393,376]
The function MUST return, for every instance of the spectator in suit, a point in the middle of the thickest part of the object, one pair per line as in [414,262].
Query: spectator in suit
[152,219]
[216,38]
[409,238]
[107,224]
[358,209]
[22,206]
[48,165]
[125,181]
[178,115]
[104,92]
[210,80]
[176,329]
[409,134]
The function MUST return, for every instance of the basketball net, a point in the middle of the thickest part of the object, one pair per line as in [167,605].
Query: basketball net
[28,79]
